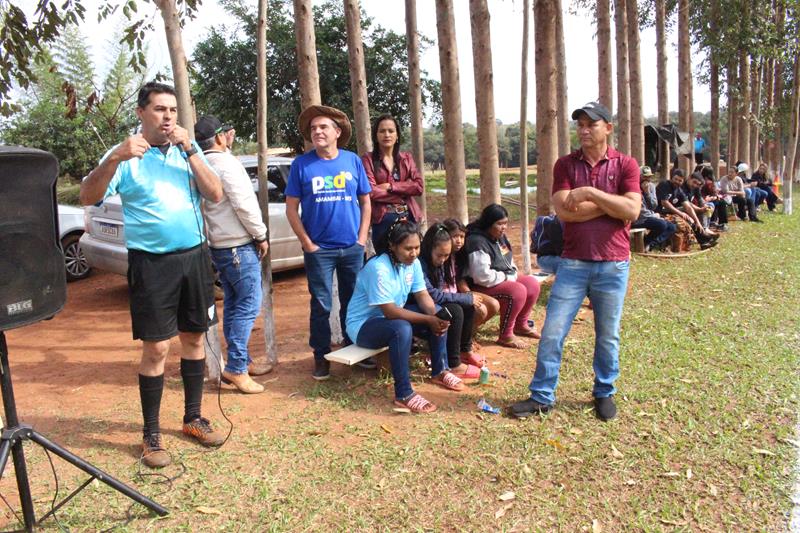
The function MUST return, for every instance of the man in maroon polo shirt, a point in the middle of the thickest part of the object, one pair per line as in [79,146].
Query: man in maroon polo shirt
[596,193]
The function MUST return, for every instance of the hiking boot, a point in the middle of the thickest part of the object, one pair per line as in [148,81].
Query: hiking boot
[200,429]
[259,368]
[153,453]
[604,408]
[527,408]
[369,363]
[322,369]
[708,244]
[242,382]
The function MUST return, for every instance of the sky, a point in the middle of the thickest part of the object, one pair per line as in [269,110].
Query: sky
[506,31]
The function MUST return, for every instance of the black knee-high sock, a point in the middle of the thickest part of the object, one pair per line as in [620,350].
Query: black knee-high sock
[192,374]
[150,389]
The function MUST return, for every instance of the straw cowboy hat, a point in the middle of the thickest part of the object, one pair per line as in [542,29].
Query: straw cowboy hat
[313,111]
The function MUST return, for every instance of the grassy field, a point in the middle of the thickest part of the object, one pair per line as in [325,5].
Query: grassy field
[705,440]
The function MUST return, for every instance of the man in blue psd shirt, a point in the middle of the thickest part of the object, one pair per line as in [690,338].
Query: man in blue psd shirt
[332,187]
[160,175]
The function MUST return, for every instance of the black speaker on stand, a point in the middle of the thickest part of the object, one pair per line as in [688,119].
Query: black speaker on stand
[34,289]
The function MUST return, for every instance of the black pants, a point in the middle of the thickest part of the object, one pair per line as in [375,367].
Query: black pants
[742,204]
[459,335]
[772,198]
[720,215]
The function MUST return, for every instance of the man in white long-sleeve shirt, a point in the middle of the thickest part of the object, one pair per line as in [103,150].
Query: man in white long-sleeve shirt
[238,241]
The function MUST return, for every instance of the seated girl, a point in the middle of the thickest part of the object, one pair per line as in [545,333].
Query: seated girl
[440,279]
[485,306]
[376,316]
[492,271]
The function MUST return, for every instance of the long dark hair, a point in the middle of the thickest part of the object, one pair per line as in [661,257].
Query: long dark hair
[401,230]
[436,235]
[376,151]
[453,225]
[490,214]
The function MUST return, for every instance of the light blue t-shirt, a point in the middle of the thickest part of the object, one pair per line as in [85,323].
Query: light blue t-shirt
[328,190]
[160,201]
[381,282]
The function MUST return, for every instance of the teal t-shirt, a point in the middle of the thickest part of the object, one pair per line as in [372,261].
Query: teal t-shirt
[160,201]
[381,282]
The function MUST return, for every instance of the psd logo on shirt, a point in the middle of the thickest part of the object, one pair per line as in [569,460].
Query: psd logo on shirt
[335,183]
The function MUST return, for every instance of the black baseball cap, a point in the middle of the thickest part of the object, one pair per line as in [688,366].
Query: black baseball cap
[594,110]
[208,126]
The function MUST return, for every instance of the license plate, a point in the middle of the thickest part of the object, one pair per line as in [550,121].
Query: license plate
[109,229]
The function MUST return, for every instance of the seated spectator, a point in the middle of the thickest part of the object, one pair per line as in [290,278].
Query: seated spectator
[761,179]
[702,209]
[492,271]
[711,194]
[440,280]
[547,242]
[732,186]
[488,306]
[376,315]
[750,189]
[659,230]
[673,205]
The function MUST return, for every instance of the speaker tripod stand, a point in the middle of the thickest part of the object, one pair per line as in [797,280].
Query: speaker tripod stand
[12,437]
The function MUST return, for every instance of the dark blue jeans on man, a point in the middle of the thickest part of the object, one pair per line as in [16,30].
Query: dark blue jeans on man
[240,275]
[659,230]
[320,266]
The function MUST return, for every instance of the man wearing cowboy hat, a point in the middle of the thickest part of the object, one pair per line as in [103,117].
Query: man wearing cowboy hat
[332,186]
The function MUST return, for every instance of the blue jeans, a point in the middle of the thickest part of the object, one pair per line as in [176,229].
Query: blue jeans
[759,195]
[548,263]
[320,266]
[397,334]
[660,230]
[605,283]
[240,274]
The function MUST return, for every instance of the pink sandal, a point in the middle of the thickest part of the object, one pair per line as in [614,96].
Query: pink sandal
[472,372]
[449,381]
[474,359]
[416,404]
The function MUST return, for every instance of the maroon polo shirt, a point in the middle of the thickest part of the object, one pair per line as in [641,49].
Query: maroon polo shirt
[603,238]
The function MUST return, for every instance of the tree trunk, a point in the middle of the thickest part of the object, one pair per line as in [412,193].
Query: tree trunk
[777,99]
[415,98]
[604,72]
[769,95]
[755,91]
[358,76]
[271,353]
[623,129]
[733,105]
[455,170]
[177,56]
[635,72]
[684,80]
[714,89]
[546,134]
[307,71]
[523,143]
[661,84]
[792,155]
[484,102]
[744,107]
[561,84]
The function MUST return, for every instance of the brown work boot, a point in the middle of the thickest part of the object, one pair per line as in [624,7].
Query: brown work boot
[259,368]
[153,453]
[200,429]
[243,382]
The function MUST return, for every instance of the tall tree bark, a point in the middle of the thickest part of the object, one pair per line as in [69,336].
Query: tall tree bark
[546,134]
[604,72]
[685,80]
[744,106]
[484,102]
[769,95]
[271,353]
[777,99]
[714,89]
[623,127]
[358,75]
[177,56]
[755,91]
[523,142]
[307,70]
[415,98]
[635,75]
[792,155]
[661,83]
[733,123]
[561,83]
[455,170]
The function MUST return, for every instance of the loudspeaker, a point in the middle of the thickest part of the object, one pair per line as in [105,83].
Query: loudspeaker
[33,283]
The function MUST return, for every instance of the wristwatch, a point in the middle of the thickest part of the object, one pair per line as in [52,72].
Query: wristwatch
[189,153]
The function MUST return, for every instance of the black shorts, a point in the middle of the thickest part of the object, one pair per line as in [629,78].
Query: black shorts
[170,293]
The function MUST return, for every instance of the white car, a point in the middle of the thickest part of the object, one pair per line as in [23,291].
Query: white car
[70,225]
[103,244]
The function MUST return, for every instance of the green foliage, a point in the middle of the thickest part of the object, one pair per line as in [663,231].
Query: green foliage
[225,71]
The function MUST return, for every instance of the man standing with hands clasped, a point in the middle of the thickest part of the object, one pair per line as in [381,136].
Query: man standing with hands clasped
[332,186]
[160,174]
[596,194]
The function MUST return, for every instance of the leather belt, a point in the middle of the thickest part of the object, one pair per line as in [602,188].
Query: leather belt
[398,208]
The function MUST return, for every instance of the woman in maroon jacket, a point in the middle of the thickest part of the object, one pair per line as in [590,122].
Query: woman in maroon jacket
[394,178]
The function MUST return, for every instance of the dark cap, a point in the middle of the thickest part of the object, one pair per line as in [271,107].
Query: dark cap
[208,126]
[594,110]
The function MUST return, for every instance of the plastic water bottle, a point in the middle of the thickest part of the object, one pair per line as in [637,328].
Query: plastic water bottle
[483,379]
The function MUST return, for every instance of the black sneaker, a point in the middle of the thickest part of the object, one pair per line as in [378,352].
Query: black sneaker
[322,369]
[708,244]
[527,408]
[757,220]
[605,408]
[369,363]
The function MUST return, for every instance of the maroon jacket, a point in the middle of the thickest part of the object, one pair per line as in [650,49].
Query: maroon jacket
[403,191]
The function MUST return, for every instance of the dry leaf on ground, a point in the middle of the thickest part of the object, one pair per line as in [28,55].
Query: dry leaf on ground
[208,510]
[596,527]
[616,453]
[386,428]
[507,496]
[502,511]
[762,451]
